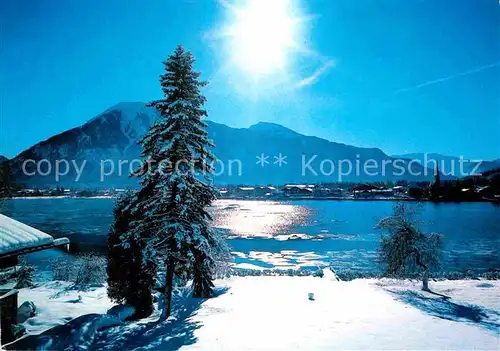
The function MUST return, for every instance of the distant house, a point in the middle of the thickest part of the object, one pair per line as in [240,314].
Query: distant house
[327,192]
[364,187]
[486,191]
[364,190]
[244,191]
[399,189]
[418,189]
[298,190]
[223,193]
[16,239]
[265,191]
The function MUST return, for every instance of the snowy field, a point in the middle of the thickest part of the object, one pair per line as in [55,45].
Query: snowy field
[275,313]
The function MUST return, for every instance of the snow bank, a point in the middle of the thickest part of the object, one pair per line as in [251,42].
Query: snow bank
[75,335]
[122,312]
[275,313]
[56,304]
[66,317]
[15,236]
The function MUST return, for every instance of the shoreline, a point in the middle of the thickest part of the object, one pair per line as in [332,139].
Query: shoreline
[298,198]
[57,197]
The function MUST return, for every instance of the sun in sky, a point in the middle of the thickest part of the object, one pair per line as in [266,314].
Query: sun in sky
[263,40]
[263,35]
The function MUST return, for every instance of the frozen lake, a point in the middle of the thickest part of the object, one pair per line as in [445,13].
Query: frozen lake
[292,233]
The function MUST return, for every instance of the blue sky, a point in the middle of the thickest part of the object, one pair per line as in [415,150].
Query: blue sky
[404,76]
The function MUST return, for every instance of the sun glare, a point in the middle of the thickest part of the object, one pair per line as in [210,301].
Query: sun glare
[263,46]
[262,35]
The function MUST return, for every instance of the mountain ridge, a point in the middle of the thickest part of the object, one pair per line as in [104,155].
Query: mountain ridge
[113,135]
[449,163]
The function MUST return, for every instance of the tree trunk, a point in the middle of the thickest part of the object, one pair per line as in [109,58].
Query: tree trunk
[169,274]
[198,275]
[197,283]
[425,280]
[167,295]
[425,275]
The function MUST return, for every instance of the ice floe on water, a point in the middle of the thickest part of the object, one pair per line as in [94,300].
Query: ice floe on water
[286,259]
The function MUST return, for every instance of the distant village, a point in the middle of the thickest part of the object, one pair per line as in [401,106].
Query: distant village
[446,191]
[470,189]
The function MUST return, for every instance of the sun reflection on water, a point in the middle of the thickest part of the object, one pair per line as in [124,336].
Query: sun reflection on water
[258,218]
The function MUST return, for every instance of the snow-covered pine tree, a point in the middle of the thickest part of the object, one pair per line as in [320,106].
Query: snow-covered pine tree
[406,249]
[6,183]
[211,248]
[177,170]
[130,276]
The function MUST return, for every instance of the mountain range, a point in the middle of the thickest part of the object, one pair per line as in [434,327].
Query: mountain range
[110,139]
[450,165]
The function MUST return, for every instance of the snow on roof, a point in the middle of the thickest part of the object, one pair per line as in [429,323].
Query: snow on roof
[301,186]
[16,236]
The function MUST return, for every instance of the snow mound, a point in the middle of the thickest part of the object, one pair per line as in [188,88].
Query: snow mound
[76,334]
[65,317]
[122,312]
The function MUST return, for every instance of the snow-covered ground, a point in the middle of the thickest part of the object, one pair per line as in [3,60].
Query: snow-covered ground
[271,313]
[275,313]
[56,304]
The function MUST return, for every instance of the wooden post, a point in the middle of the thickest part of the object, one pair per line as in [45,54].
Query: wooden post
[8,314]
[8,262]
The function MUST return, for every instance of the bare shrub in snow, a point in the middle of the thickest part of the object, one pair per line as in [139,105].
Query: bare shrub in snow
[6,275]
[25,275]
[492,275]
[222,258]
[91,270]
[406,249]
[348,275]
[62,269]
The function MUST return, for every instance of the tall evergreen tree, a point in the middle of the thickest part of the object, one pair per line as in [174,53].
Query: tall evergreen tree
[435,188]
[130,276]
[210,250]
[177,171]
[6,182]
